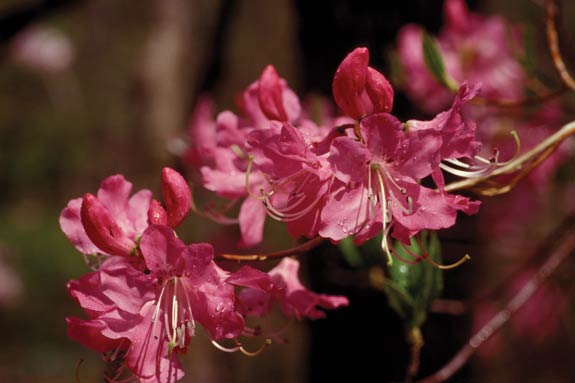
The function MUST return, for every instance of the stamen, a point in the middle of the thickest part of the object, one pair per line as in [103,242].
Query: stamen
[464,259]
[215,216]
[239,152]
[467,174]
[225,349]
[248,172]
[268,342]
[383,203]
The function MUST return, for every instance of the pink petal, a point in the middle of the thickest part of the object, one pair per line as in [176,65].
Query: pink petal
[251,218]
[270,95]
[349,83]
[177,196]
[71,225]
[102,228]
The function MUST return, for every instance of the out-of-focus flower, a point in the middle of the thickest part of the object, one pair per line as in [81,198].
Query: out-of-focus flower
[475,48]
[43,49]
[10,283]
[281,285]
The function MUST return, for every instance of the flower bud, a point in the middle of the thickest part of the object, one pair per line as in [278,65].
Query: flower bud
[379,91]
[270,95]
[157,215]
[102,228]
[177,196]
[359,89]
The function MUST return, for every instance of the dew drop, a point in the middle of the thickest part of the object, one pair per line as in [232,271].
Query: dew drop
[220,307]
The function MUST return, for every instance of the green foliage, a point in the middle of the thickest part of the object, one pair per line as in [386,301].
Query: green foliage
[434,62]
[411,288]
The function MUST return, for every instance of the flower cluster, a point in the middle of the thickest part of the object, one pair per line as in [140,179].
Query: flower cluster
[475,48]
[357,175]
[149,290]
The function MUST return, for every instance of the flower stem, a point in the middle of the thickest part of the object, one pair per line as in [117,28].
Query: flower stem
[566,248]
[551,11]
[415,341]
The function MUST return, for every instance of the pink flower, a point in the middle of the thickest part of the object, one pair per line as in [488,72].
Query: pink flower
[359,89]
[110,222]
[281,284]
[475,48]
[264,103]
[148,308]
[43,49]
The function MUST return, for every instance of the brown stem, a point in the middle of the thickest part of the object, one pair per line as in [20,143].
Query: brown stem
[415,340]
[551,10]
[523,164]
[566,247]
[304,247]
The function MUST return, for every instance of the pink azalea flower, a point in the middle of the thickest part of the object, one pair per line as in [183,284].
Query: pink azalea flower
[43,49]
[379,176]
[475,48]
[147,309]
[282,285]
[112,222]
[298,177]
[113,219]
[264,104]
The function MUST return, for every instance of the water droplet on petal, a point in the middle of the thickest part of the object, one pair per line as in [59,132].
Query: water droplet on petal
[220,307]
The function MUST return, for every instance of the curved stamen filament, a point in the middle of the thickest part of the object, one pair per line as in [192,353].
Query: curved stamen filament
[465,173]
[284,215]
[464,259]
[215,216]
[239,347]
[384,218]
[267,342]
[248,173]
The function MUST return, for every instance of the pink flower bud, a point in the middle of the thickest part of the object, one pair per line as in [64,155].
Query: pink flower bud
[102,229]
[359,89]
[177,196]
[157,215]
[349,82]
[379,91]
[270,95]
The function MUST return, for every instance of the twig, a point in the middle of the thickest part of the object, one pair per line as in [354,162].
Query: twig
[566,247]
[415,340]
[551,11]
[304,247]
[526,162]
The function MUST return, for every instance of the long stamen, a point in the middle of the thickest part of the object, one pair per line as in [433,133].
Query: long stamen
[268,341]
[215,216]
[384,207]
[248,173]
[464,259]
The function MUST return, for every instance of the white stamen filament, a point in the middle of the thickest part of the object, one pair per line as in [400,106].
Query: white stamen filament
[384,210]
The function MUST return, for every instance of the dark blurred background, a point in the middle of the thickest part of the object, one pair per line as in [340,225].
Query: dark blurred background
[109,88]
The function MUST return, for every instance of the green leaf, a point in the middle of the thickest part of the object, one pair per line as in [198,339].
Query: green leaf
[422,282]
[399,300]
[434,62]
